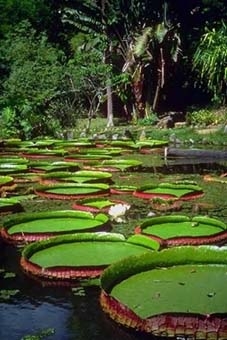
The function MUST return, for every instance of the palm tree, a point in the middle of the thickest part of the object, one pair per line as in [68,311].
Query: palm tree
[141,37]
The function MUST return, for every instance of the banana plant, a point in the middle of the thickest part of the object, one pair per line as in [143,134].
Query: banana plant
[155,48]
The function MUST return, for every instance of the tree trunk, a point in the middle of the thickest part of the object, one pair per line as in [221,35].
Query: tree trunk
[110,122]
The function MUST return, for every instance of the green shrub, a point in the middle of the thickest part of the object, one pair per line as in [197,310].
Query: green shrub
[205,117]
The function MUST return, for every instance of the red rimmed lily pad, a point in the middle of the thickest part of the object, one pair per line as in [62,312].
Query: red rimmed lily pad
[6,181]
[118,165]
[174,230]
[96,204]
[10,205]
[37,153]
[13,159]
[178,292]
[81,176]
[62,260]
[86,158]
[30,227]
[122,189]
[73,190]
[47,166]
[101,151]
[12,168]
[178,190]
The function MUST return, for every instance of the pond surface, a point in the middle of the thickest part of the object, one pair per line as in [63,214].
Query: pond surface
[75,313]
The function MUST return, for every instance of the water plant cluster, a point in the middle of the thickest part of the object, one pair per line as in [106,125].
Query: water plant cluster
[92,187]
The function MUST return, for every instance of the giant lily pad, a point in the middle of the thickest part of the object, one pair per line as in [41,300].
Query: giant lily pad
[6,180]
[119,165]
[13,159]
[37,153]
[178,292]
[180,190]
[46,166]
[175,230]
[87,157]
[101,151]
[73,190]
[29,227]
[95,204]
[82,176]
[84,255]
[10,205]
[10,168]
[122,189]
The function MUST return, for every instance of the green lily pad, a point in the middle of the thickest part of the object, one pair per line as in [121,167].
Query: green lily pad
[8,205]
[73,190]
[179,190]
[27,227]
[120,164]
[13,160]
[183,292]
[81,176]
[181,230]
[79,255]
[6,180]
[49,166]
[95,204]
[10,168]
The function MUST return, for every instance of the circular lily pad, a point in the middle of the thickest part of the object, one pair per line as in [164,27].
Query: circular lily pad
[45,153]
[10,205]
[84,255]
[173,230]
[119,165]
[87,157]
[122,189]
[178,292]
[10,168]
[73,190]
[29,227]
[179,190]
[81,176]
[101,151]
[96,204]
[13,160]
[46,166]
[6,180]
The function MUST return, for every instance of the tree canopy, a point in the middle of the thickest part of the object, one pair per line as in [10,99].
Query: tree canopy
[63,59]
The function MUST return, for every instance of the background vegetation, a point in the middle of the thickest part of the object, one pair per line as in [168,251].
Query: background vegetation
[64,60]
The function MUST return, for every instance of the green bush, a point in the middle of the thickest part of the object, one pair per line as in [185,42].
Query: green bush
[205,117]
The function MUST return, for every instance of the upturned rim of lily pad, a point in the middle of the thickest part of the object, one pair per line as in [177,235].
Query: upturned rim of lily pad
[6,180]
[119,165]
[72,190]
[50,166]
[177,230]
[10,205]
[79,256]
[29,227]
[169,303]
[11,168]
[122,189]
[180,190]
[96,204]
[79,176]
[38,153]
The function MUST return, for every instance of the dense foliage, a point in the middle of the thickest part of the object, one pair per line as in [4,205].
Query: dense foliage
[60,60]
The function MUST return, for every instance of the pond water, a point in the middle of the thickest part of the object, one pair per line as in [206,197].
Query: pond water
[75,313]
